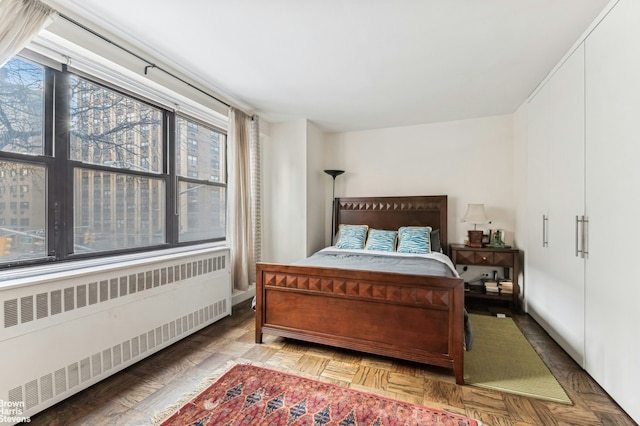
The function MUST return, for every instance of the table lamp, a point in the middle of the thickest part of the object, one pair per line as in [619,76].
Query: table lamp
[477,216]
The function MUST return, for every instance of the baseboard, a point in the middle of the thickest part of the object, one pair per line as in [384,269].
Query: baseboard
[240,296]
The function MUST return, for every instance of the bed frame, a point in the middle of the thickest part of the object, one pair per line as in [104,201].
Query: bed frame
[411,317]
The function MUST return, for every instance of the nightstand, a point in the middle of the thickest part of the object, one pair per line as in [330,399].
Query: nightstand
[509,259]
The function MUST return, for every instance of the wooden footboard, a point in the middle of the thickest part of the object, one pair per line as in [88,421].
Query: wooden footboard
[411,317]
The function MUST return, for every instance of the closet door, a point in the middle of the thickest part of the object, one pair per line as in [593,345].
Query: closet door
[537,286]
[613,203]
[555,273]
[565,302]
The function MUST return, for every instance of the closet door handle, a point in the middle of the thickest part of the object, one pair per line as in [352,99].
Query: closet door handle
[585,237]
[545,235]
[578,251]
[582,230]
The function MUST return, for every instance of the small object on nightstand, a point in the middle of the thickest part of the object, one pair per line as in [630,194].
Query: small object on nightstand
[474,287]
[497,240]
[476,215]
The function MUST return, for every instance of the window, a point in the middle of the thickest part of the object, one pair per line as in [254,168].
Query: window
[124,191]
[22,89]
[118,141]
[21,100]
[201,184]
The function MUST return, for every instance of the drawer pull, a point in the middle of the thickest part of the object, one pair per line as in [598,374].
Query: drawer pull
[484,257]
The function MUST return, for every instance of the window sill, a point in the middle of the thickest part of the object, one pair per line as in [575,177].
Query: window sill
[25,275]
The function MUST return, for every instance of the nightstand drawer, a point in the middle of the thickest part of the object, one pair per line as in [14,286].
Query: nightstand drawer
[483,258]
[503,259]
[465,257]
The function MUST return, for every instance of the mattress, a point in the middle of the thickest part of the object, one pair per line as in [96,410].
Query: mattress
[434,263]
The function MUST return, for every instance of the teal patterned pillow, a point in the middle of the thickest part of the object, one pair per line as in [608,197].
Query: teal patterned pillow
[414,239]
[381,240]
[351,236]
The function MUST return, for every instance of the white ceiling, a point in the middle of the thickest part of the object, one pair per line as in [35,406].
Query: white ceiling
[354,64]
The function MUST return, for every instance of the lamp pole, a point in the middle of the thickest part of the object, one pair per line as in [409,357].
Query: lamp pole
[333,174]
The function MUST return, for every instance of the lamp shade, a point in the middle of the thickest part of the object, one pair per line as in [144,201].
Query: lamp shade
[334,173]
[476,215]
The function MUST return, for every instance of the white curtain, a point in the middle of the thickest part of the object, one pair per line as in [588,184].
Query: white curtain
[20,21]
[241,205]
[256,191]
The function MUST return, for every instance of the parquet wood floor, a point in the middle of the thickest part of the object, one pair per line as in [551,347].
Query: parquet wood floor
[138,393]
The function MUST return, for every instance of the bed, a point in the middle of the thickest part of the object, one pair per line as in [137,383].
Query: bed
[409,316]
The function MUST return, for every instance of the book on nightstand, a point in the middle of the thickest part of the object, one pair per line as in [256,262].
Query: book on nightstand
[506,287]
[491,287]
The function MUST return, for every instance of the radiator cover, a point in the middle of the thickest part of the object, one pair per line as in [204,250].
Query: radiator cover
[62,332]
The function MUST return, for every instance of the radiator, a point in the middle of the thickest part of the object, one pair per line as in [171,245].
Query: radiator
[63,331]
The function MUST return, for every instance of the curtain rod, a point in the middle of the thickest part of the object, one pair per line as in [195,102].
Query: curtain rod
[149,63]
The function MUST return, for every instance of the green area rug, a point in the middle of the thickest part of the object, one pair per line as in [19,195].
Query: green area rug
[502,359]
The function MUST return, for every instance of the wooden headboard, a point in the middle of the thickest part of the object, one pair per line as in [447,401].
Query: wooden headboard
[393,212]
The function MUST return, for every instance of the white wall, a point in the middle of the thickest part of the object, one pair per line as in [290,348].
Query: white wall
[293,185]
[285,193]
[316,184]
[471,161]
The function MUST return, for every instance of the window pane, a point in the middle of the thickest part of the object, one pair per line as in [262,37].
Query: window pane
[22,213]
[21,107]
[200,152]
[112,129]
[114,211]
[201,211]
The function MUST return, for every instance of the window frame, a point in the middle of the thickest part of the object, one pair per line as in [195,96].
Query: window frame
[59,170]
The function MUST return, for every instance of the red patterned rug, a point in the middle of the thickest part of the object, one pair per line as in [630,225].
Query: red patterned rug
[249,395]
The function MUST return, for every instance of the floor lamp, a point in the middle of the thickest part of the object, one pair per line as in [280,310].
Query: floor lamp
[333,174]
